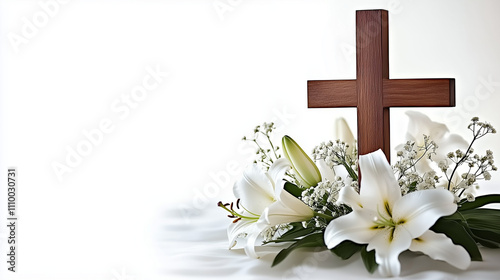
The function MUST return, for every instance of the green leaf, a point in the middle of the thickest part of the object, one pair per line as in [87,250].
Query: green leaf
[346,249]
[486,238]
[369,259]
[460,235]
[479,201]
[483,219]
[296,231]
[293,189]
[313,240]
[457,216]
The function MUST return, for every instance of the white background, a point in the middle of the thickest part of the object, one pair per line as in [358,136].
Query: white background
[232,65]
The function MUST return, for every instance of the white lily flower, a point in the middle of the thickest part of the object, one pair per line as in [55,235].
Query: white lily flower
[391,223]
[264,204]
[420,125]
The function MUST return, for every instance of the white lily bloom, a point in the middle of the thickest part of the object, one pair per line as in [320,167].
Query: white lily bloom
[420,125]
[391,223]
[264,204]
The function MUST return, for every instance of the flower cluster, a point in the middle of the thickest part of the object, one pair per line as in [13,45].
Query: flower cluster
[475,167]
[266,152]
[409,178]
[322,199]
[424,203]
[338,153]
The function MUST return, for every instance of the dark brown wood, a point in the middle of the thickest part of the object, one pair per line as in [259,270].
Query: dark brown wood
[373,93]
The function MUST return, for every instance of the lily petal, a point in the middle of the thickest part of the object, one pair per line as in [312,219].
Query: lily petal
[341,172]
[349,196]
[326,172]
[344,133]
[379,188]
[439,247]
[254,189]
[388,244]
[357,226]
[240,227]
[287,209]
[451,142]
[277,172]
[250,245]
[418,211]
[421,124]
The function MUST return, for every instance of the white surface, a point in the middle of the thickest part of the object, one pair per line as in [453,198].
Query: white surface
[180,146]
[198,249]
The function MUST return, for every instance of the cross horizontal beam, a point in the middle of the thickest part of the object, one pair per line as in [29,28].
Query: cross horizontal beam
[397,93]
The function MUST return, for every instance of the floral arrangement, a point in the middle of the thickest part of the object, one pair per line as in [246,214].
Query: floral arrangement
[424,203]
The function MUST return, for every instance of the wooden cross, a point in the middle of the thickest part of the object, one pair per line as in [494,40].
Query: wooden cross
[373,92]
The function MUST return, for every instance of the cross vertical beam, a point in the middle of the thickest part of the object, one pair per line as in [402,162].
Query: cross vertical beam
[372,57]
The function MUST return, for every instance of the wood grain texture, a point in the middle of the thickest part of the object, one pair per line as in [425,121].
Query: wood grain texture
[419,93]
[328,94]
[372,68]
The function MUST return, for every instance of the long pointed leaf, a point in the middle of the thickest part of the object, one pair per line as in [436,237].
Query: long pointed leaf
[293,189]
[369,260]
[313,240]
[484,219]
[479,201]
[346,249]
[486,238]
[296,231]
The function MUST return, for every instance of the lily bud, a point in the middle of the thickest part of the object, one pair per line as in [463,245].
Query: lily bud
[302,164]
[343,132]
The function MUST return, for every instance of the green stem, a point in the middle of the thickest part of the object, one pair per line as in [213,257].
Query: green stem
[234,213]
[263,150]
[324,216]
[461,161]
[272,146]
[351,172]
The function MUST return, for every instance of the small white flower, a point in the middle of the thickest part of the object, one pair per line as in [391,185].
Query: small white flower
[470,197]
[443,165]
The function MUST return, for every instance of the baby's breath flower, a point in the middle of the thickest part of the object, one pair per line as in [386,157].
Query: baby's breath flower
[337,153]
[266,152]
[470,197]
[443,165]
